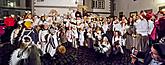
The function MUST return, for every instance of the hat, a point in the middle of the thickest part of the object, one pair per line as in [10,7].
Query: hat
[28,24]
[62,49]
[52,30]
[148,16]
[26,39]
[28,20]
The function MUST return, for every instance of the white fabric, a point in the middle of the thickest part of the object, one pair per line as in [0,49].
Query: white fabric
[154,62]
[36,21]
[81,38]
[28,20]
[114,39]
[20,22]
[124,29]
[117,27]
[13,35]
[75,33]
[151,26]
[69,35]
[42,34]
[42,40]
[105,28]
[50,49]
[142,27]
[106,48]
[89,35]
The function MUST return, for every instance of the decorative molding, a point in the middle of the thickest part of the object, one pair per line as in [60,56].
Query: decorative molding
[18,8]
[41,6]
[161,7]
[100,12]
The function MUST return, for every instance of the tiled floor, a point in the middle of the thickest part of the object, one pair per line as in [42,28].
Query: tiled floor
[80,56]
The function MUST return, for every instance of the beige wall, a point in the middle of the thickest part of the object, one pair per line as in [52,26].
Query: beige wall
[57,3]
[41,11]
[127,6]
[62,6]
[88,3]
[65,4]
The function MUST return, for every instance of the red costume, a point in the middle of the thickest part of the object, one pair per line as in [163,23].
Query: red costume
[9,21]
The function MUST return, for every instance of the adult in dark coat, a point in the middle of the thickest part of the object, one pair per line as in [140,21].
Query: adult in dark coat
[161,28]
[153,56]
[9,23]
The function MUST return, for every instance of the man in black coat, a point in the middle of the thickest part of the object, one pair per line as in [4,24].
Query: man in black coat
[153,56]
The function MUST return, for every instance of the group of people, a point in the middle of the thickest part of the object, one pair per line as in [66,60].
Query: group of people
[103,34]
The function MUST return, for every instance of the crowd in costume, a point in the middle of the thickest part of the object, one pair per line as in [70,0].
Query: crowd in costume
[103,34]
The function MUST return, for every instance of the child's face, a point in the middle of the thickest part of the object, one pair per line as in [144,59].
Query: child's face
[104,39]
[116,33]
[46,26]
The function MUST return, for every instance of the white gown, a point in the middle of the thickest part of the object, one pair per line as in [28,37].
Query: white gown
[114,39]
[106,48]
[81,38]
[50,48]
[105,28]
[42,40]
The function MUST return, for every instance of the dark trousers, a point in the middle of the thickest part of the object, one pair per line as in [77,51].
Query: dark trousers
[6,36]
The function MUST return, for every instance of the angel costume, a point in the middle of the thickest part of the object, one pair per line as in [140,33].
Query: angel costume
[81,38]
[42,39]
[51,43]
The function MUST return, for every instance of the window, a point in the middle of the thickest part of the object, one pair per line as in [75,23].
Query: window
[98,4]
[18,3]
[4,3]
[10,3]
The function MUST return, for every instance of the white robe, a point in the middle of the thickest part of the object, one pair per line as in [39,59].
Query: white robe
[151,26]
[114,39]
[75,34]
[81,38]
[50,48]
[106,48]
[42,40]
[142,27]
[105,28]
[14,35]
[117,27]
[69,36]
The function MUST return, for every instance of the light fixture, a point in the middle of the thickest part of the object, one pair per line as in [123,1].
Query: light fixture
[11,4]
[163,9]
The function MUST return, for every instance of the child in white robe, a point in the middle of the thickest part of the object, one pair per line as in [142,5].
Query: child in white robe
[42,39]
[117,42]
[52,42]
[105,46]
[81,37]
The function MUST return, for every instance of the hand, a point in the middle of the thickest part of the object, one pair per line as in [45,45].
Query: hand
[133,58]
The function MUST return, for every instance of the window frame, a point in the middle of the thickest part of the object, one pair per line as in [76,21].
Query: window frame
[98,4]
